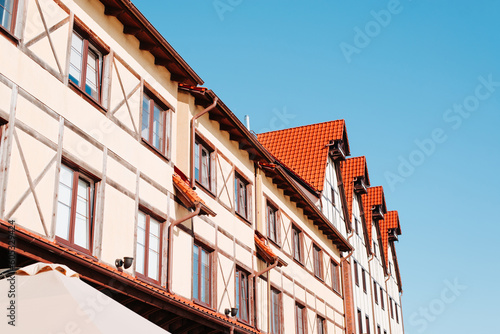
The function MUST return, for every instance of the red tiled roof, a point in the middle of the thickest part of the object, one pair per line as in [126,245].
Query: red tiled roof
[375,196]
[132,279]
[390,221]
[350,169]
[186,189]
[303,149]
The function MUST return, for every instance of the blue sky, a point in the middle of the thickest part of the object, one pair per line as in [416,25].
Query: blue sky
[420,92]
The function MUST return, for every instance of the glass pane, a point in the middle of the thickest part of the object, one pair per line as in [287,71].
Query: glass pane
[66,176]
[140,255]
[62,224]
[205,277]
[205,171]
[153,265]
[145,117]
[92,78]
[75,70]
[64,202]
[195,272]
[6,13]
[154,227]
[81,237]
[157,128]
[197,161]
[154,243]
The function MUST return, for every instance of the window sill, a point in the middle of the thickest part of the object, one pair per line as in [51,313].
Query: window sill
[274,242]
[298,262]
[205,189]
[86,96]
[242,218]
[148,280]
[154,150]
[9,35]
[86,252]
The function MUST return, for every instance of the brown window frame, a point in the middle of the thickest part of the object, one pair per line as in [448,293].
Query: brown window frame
[356,273]
[297,238]
[367,320]
[356,225]
[396,311]
[145,275]
[197,299]
[382,304]
[241,183]
[202,146]
[378,329]
[392,308]
[241,276]
[300,320]
[375,292]
[363,278]
[335,276]
[95,47]
[165,118]
[276,312]
[272,234]
[78,174]
[318,261]
[320,324]
[360,321]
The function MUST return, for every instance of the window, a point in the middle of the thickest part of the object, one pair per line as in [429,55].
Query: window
[360,321]
[374,249]
[75,208]
[363,277]
[272,232]
[318,268]
[367,320]
[332,190]
[321,325]
[85,68]
[392,308]
[201,274]
[300,319]
[7,12]
[241,196]
[297,243]
[275,312]
[335,277]
[356,274]
[202,165]
[375,293]
[396,311]
[148,247]
[356,225]
[378,329]
[382,298]
[154,123]
[242,295]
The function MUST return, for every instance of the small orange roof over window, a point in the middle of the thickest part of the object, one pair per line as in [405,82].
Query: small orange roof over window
[188,196]
[390,221]
[375,196]
[352,168]
[304,149]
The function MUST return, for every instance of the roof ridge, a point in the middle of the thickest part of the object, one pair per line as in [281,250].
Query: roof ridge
[301,126]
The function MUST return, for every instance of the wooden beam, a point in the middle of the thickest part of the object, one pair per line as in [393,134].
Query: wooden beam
[113,11]
[147,46]
[162,61]
[130,30]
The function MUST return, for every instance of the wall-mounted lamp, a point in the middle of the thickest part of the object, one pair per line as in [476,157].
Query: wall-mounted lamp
[126,262]
[233,311]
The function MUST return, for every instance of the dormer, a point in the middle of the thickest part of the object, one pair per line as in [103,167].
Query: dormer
[337,150]
[393,234]
[360,186]
[377,212]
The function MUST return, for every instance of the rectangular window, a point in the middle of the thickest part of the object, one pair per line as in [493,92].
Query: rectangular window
[382,299]
[332,190]
[360,322]
[363,277]
[378,329]
[241,196]
[201,274]
[321,325]
[318,268]
[242,295]
[85,68]
[75,208]
[275,312]
[392,308]
[396,311]
[335,277]
[356,225]
[202,165]
[148,247]
[7,14]
[374,249]
[300,319]
[367,320]
[356,273]
[154,123]
[297,243]
[271,223]
[375,292]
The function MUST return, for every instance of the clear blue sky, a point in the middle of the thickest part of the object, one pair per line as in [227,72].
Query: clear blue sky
[429,73]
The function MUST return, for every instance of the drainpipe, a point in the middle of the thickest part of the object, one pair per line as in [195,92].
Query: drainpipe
[371,289]
[388,301]
[344,283]
[170,243]
[210,107]
[263,271]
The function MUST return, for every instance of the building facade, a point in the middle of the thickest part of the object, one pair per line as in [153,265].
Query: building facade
[111,149]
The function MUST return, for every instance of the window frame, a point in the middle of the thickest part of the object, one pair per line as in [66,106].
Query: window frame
[209,252]
[318,261]
[396,311]
[360,321]
[13,21]
[392,308]
[276,313]
[363,278]
[80,174]
[375,292]
[166,112]
[320,324]
[382,304]
[273,236]
[160,222]
[240,180]
[202,145]
[367,319]
[242,276]
[88,39]
[297,237]
[336,285]
[302,321]
[356,273]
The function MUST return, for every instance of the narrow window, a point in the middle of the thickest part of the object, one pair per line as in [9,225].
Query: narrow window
[375,292]
[242,295]
[382,299]
[396,311]
[75,208]
[241,196]
[363,277]
[297,244]
[271,223]
[201,274]
[7,14]
[300,319]
[321,325]
[378,329]
[392,308]
[202,168]
[318,268]
[367,319]
[356,273]
[154,123]
[148,247]
[332,190]
[360,322]
[356,225]
[335,277]
[85,69]
[374,249]
[275,312]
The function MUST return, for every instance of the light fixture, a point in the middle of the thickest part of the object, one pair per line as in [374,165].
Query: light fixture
[233,311]
[126,262]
